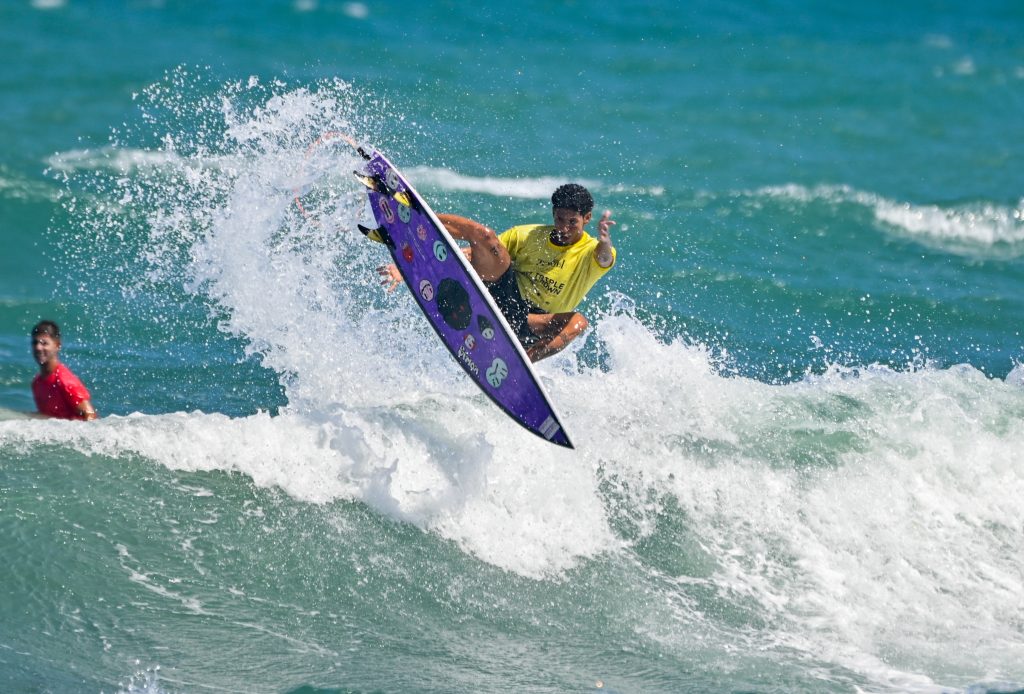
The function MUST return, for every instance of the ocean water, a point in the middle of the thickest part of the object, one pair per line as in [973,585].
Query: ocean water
[799,410]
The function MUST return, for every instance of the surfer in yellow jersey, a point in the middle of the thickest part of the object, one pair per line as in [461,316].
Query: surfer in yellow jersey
[538,273]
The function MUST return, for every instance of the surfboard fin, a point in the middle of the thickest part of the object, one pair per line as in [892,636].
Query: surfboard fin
[403,198]
[372,182]
[380,235]
[375,184]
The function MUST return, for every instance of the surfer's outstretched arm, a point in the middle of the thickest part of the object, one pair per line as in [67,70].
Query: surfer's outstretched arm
[489,257]
[604,251]
[555,330]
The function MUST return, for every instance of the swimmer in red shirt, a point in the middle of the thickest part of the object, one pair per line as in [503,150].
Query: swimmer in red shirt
[57,391]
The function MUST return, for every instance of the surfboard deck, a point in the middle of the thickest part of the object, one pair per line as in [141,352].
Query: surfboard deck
[453,298]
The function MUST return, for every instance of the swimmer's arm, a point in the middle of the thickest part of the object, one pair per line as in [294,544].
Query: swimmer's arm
[86,410]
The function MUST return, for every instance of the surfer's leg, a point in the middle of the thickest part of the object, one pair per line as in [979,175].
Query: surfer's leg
[554,331]
[487,255]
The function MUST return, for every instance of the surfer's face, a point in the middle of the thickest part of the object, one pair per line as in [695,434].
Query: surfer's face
[568,226]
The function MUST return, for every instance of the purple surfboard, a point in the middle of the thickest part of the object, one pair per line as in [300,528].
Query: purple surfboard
[454,300]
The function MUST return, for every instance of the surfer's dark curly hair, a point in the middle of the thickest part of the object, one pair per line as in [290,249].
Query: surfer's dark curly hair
[572,196]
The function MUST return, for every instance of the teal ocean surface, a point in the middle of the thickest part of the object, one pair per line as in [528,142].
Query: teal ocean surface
[798,412]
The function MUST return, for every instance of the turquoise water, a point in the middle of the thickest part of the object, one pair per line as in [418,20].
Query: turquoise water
[798,414]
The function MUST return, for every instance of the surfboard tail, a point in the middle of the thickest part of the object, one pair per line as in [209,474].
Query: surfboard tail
[378,185]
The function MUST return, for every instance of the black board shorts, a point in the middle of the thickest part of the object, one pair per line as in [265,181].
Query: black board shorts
[514,307]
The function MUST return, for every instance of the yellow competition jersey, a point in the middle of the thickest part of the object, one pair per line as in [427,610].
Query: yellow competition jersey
[554,278]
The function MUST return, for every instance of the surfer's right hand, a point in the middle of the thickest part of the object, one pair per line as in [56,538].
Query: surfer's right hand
[391,276]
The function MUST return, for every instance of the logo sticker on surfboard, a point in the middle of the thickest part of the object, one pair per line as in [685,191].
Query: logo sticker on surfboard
[404,213]
[391,178]
[427,290]
[486,329]
[549,428]
[497,372]
[453,304]
[440,251]
[385,207]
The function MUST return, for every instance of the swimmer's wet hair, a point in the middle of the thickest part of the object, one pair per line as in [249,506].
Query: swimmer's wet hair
[47,327]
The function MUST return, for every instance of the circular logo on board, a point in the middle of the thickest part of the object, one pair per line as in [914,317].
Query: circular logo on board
[427,290]
[440,251]
[421,231]
[497,372]
[453,304]
[391,178]
[385,207]
[404,213]
[469,341]
[486,329]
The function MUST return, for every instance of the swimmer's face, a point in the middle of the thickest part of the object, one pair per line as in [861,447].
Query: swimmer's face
[45,348]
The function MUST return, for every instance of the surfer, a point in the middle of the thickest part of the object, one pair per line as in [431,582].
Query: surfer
[538,273]
[57,391]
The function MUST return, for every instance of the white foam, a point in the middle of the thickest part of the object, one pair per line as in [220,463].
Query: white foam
[966,229]
[356,10]
[112,158]
[532,188]
[426,466]
[1016,375]
[940,41]
[983,225]
[965,67]
[16,187]
[900,548]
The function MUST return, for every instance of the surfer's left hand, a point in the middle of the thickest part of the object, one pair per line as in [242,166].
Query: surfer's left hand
[604,224]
